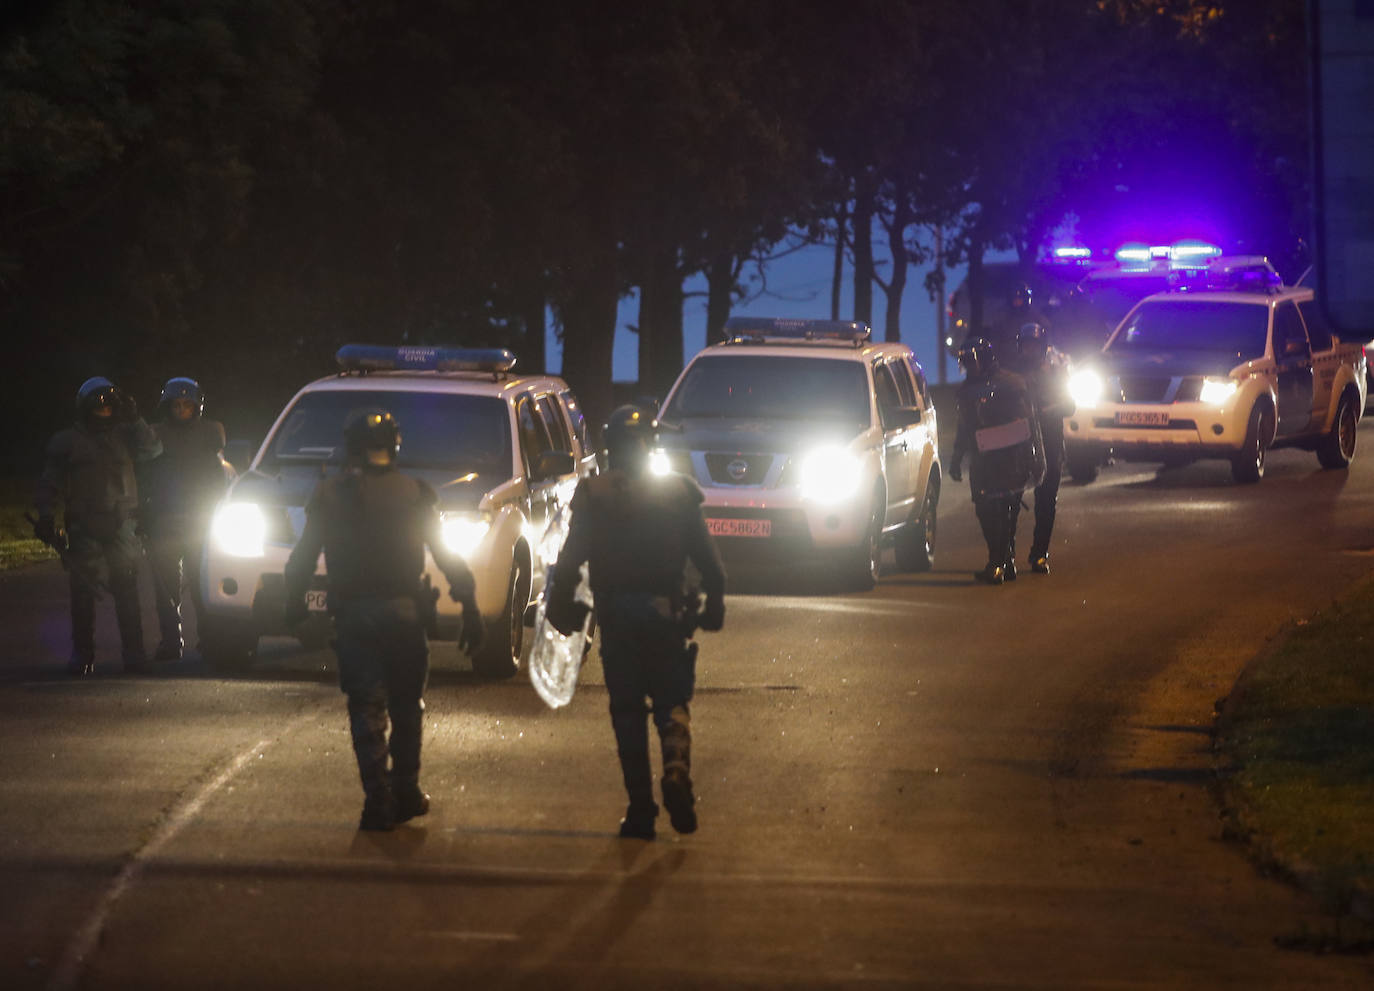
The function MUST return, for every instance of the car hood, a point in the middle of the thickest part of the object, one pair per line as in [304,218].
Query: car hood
[292,487]
[1167,364]
[750,436]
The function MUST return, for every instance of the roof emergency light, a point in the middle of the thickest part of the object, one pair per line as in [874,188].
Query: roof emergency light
[741,329]
[380,358]
[1072,253]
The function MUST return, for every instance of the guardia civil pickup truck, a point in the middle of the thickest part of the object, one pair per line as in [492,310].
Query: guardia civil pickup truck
[1227,364]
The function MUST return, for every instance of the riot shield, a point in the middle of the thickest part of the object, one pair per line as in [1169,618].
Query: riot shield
[556,660]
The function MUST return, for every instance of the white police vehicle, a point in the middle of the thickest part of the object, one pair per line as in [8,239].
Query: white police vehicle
[1227,364]
[808,440]
[504,452]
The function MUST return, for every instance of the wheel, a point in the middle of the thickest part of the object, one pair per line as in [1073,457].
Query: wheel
[915,545]
[228,646]
[499,655]
[1083,465]
[1337,448]
[1247,466]
[866,560]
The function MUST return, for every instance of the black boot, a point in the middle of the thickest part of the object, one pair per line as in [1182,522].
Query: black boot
[990,575]
[411,801]
[638,823]
[379,811]
[1040,563]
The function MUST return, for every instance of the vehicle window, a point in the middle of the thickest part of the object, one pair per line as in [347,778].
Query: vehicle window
[579,421]
[1238,329]
[554,424]
[922,386]
[773,388]
[453,433]
[888,396]
[534,435]
[1287,327]
[1318,330]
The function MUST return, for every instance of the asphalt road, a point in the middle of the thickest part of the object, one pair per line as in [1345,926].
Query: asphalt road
[935,784]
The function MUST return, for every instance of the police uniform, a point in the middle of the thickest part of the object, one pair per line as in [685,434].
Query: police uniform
[180,489]
[990,398]
[373,525]
[1047,377]
[89,469]
[637,531]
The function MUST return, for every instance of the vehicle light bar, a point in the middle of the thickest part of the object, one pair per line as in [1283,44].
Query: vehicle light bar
[1185,253]
[783,328]
[380,358]
[1072,252]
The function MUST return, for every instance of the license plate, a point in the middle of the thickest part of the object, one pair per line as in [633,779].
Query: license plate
[1142,418]
[317,600]
[739,528]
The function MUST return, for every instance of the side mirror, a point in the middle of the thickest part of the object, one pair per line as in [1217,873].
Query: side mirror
[551,464]
[239,453]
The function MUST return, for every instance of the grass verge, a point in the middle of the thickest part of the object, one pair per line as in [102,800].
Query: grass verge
[17,544]
[1296,738]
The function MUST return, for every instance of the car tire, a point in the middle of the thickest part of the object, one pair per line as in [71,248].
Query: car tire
[866,560]
[1247,467]
[499,656]
[1337,448]
[228,646]
[1083,465]
[915,544]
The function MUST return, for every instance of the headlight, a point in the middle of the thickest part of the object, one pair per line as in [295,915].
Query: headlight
[659,463]
[1086,387]
[239,529]
[1217,391]
[462,533]
[830,475]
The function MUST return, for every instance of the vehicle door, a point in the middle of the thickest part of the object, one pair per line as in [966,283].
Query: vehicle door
[577,422]
[1293,365]
[1325,361]
[536,440]
[895,412]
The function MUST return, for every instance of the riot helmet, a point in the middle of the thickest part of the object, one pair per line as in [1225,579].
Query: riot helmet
[1032,343]
[977,359]
[177,394]
[629,436]
[372,438]
[95,401]
[1021,295]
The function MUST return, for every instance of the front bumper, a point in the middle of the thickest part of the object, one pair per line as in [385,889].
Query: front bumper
[1145,430]
[795,527]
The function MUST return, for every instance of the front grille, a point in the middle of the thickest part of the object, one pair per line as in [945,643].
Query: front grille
[1189,389]
[1144,389]
[755,468]
[1109,423]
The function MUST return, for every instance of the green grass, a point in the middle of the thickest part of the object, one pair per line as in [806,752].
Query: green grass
[1297,736]
[17,544]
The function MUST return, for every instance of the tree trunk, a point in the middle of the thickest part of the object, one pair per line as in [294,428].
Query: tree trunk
[863,249]
[588,310]
[837,273]
[720,279]
[901,262]
[975,289]
[660,323]
[534,308]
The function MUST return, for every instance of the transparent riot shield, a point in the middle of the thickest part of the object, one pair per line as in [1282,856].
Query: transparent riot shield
[556,660]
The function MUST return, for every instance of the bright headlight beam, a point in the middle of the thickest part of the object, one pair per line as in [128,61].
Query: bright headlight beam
[239,529]
[1217,391]
[462,534]
[1086,387]
[659,463]
[829,475]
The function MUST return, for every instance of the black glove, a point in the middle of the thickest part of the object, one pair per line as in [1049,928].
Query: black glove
[713,615]
[568,616]
[956,473]
[295,612]
[474,631]
[126,407]
[45,529]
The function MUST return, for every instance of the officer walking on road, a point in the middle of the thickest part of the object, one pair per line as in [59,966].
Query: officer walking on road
[1020,311]
[89,470]
[1047,377]
[180,489]
[637,531]
[998,432]
[373,525]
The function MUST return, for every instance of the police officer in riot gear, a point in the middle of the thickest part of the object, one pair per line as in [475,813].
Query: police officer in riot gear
[638,531]
[89,470]
[373,525]
[1020,310]
[180,488]
[998,432]
[1046,373]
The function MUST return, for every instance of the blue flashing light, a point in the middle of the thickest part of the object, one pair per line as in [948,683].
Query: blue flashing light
[1186,251]
[745,328]
[1072,253]
[1133,254]
[379,358]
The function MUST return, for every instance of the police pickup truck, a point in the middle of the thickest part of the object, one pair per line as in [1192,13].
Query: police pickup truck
[1227,364]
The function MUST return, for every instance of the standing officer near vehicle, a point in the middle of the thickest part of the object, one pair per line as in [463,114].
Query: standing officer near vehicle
[1020,311]
[89,469]
[1046,373]
[997,430]
[180,489]
[637,531]
[373,525]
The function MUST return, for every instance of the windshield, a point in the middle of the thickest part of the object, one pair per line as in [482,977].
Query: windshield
[452,433]
[1238,329]
[762,387]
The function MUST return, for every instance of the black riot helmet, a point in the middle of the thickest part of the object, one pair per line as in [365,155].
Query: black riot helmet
[1032,343]
[372,438]
[629,436]
[182,388]
[96,394]
[1021,295]
[977,359]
